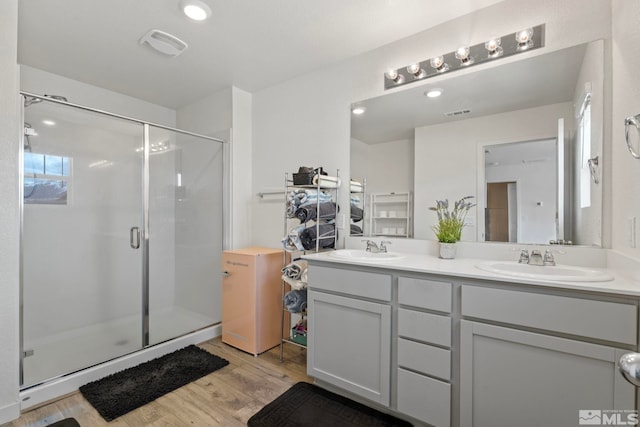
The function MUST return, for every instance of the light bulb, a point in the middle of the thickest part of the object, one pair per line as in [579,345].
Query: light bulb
[524,35]
[524,39]
[417,72]
[493,48]
[394,76]
[463,55]
[438,64]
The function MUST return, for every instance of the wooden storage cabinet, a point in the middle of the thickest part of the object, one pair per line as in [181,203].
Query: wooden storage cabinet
[349,344]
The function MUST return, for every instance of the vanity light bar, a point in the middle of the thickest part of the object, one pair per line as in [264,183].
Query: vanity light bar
[465,57]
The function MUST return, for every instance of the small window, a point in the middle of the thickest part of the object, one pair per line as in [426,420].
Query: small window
[584,139]
[45,179]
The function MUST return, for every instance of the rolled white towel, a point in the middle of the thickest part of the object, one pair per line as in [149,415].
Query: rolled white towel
[326,181]
[295,284]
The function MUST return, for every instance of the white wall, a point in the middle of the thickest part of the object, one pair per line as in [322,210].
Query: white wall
[37,81]
[446,156]
[625,171]
[305,121]
[387,166]
[242,169]
[10,128]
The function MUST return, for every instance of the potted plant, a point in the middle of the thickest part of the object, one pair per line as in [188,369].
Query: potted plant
[450,223]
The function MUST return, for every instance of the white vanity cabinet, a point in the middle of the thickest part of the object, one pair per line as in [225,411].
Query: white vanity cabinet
[424,350]
[445,351]
[349,331]
[510,376]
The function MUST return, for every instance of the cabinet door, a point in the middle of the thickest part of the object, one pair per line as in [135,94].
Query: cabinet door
[349,344]
[510,377]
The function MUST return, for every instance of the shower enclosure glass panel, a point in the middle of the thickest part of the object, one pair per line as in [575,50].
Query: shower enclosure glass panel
[81,264]
[186,233]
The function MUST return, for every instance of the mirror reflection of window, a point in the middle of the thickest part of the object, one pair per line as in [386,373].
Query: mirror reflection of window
[584,135]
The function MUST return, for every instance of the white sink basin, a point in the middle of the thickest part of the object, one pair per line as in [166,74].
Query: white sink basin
[360,255]
[562,273]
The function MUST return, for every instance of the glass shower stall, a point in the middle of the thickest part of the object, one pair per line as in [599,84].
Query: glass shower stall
[122,236]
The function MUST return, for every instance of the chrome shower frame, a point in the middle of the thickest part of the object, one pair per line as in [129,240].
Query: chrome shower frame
[145,203]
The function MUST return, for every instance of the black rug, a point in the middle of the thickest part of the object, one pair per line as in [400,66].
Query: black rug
[67,422]
[127,390]
[306,405]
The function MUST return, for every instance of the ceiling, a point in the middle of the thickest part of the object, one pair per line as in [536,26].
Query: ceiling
[541,80]
[250,44]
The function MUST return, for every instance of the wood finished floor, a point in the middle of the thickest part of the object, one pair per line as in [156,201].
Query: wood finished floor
[227,397]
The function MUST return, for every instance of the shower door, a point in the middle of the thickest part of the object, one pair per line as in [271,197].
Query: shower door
[185,233]
[82,247]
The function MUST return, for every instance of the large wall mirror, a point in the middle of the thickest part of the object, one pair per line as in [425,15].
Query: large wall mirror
[523,137]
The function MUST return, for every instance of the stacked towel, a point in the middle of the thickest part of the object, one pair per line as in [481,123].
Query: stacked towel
[355,230]
[295,269]
[326,236]
[296,300]
[356,213]
[327,211]
[304,197]
[291,241]
[295,274]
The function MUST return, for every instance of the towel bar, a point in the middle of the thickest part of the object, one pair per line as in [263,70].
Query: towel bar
[635,121]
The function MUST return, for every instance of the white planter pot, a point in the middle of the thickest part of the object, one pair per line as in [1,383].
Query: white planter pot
[447,250]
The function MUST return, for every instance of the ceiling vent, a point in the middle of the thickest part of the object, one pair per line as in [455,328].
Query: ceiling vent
[164,43]
[457,113]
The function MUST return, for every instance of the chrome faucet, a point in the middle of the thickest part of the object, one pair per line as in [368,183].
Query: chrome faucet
[548,258]
[373,247]
[535,258]
[524,256]
[383,245]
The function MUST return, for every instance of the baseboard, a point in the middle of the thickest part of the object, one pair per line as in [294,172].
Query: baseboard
[67,384]
[9,412]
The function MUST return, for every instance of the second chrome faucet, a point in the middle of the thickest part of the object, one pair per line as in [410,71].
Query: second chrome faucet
[536,258]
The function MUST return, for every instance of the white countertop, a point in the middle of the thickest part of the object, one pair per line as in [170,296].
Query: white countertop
[464,267]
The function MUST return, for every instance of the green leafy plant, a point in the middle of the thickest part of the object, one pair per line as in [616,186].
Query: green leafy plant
[450,223]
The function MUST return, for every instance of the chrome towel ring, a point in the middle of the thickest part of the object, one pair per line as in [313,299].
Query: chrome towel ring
[628,122]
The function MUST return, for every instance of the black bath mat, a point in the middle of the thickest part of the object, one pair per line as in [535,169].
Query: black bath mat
[127,390]
[306,405]
[67,422]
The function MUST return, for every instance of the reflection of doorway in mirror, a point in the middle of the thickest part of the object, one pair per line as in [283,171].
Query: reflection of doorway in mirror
[501,217]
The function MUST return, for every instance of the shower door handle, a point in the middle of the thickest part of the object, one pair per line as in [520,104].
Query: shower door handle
[134,237]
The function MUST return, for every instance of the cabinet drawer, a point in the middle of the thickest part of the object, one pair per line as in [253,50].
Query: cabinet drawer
[423,293]
[610,321]
[424,327]
[424,358]
[424,398]
[358,283]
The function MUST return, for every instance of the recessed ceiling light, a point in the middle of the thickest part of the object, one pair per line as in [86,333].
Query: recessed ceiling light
[49,122]
[433,93]
[195,9]
[358,110]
